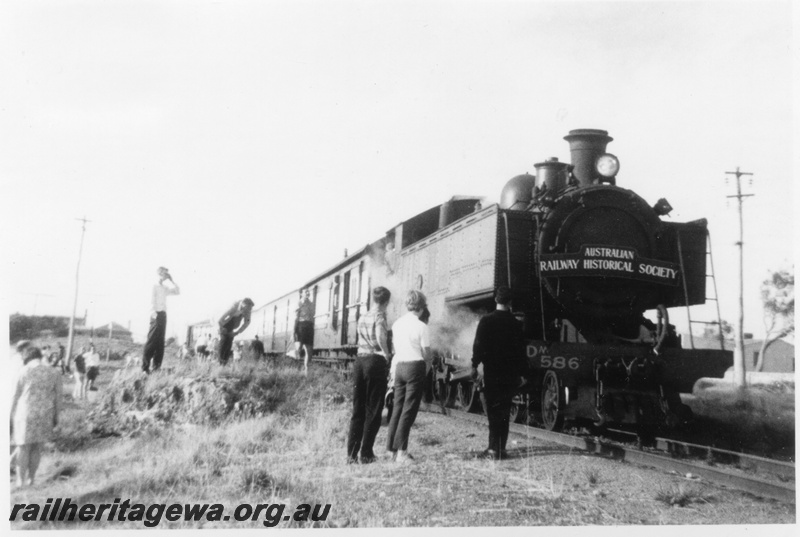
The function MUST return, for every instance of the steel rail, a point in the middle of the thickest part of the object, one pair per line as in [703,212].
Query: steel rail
[681,448]
[777,490]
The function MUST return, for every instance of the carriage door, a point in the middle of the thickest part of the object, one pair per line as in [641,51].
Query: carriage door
[288,328]
[354,304]
[314,300]
[274,320]
[345,307]
[334,304]
[362,298]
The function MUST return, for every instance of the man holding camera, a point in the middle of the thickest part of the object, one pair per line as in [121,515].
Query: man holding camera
[154,348]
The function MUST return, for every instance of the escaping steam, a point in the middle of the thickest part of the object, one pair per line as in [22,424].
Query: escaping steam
[454,332]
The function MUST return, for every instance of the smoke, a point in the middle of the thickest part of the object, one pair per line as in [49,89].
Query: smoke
[452,329]
[455,331]
[386,258]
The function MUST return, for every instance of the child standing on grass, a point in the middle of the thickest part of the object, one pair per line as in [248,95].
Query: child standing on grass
[79,391]
[92,366]
[34,413]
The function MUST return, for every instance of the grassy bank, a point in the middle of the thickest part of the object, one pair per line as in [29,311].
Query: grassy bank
[266,434]
[250,434]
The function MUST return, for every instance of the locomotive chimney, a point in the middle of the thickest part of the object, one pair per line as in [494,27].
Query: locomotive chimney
[585,145]
[552,174]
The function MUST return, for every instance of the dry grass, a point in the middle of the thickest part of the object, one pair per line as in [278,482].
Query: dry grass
[681,495]
[294,454]
[592,476]
[239,442]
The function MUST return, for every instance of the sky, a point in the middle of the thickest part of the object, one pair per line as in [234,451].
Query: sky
[246,145]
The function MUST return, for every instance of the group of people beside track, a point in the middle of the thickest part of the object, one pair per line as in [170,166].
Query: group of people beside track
[232,323]
[406,359]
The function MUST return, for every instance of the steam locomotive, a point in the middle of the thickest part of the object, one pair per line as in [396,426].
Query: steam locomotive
[586,261]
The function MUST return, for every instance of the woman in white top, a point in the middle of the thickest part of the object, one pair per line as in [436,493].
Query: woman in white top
[412,352]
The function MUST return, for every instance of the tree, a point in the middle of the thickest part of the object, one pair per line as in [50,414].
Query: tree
[31,326]
[20,327]
[712,331]
[777,295]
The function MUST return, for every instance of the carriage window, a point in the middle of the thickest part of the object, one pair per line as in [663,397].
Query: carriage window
[366,297]
[335,301]
[354,288]
[362,296]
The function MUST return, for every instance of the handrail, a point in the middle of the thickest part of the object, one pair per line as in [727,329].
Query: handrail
[716,294]
[508,251]
[685,288]
[535,246]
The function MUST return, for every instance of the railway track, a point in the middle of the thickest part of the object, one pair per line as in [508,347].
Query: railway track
[749,473]
[775,479]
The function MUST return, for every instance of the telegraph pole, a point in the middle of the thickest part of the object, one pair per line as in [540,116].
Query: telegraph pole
[71,337]
[739,371]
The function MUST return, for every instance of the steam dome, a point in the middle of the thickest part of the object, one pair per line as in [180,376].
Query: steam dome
[518,192]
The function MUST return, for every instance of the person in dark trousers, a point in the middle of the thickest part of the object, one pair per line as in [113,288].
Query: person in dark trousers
[231,324]
[499,345]
[411,363]
[304,329]
[370,377]
[61,358]
[258,348]
[154,348]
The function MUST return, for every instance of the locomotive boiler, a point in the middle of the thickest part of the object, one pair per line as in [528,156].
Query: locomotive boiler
[593,270]
[604,257]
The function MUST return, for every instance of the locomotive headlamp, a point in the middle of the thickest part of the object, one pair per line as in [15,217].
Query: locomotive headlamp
[607,165]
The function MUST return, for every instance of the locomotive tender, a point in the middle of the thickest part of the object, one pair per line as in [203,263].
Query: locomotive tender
[584,259]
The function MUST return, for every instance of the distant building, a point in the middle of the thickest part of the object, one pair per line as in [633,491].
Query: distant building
[201,328]
[114,330]
[778,359]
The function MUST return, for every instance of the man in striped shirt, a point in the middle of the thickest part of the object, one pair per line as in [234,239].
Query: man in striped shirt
[370,372]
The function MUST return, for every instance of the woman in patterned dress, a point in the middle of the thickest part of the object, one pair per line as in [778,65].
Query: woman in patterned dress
[34,412]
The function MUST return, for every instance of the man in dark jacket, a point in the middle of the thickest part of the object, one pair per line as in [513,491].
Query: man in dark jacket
[258,348]
[231,324]
[500,347]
